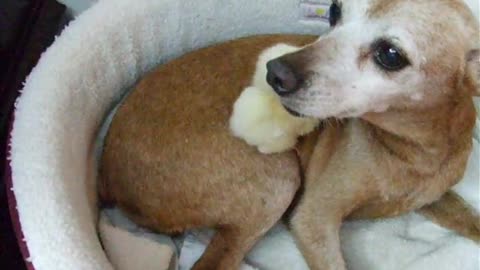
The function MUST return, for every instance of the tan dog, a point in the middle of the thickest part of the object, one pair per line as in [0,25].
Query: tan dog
[400,76]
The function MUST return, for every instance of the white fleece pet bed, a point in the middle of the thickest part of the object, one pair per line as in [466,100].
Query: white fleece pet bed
[79,79]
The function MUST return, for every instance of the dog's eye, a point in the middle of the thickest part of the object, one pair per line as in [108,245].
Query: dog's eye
[334,14]
[388,56]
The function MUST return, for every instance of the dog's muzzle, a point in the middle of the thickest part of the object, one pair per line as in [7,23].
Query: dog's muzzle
[282,77]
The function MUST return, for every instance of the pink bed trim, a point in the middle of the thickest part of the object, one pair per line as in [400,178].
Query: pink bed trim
[12,202]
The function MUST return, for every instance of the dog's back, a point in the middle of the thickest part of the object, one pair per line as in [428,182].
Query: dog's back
[171,163]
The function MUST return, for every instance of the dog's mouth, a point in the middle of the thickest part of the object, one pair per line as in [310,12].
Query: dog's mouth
[293,112]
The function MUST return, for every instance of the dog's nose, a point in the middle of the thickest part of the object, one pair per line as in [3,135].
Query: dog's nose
[282,78]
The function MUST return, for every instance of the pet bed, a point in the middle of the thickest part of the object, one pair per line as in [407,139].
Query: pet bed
[52,164]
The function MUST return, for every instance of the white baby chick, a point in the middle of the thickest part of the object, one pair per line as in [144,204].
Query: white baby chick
[258,116]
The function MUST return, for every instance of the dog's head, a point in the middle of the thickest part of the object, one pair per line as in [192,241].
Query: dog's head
[380,55]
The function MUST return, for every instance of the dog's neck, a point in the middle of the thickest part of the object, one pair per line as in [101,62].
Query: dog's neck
[424,138]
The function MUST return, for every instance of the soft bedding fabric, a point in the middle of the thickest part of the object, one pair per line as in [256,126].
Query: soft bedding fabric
[27,28]
[77,81]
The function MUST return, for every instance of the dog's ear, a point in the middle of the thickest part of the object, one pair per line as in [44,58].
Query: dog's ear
[473,67]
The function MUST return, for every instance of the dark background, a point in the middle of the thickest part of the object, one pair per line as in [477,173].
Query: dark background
[27,28]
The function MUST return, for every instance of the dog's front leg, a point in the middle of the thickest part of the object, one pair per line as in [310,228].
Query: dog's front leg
[317,220]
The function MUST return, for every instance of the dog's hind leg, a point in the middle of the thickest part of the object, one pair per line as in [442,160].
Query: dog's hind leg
[230,244]
[237,236]
[226,250]
[452,212]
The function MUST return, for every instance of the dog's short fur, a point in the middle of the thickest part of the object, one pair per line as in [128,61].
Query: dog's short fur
[171,163]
